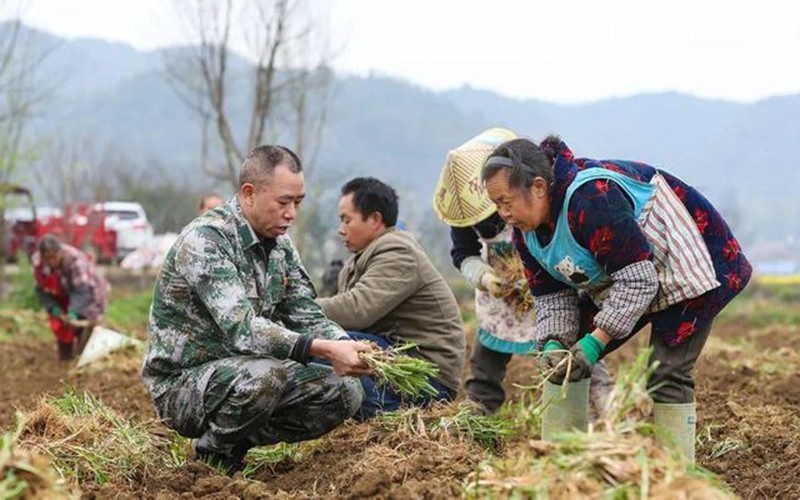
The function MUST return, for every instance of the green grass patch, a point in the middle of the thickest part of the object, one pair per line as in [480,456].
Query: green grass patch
[21,315]
[24,474]
[725,446]
[782,361]
[129,313]
[18,324]
[616,458]
[269,456]
[88,441]
[487,430]
[22,287]
[781,288]
[449,422]
[760,310]
[180,448]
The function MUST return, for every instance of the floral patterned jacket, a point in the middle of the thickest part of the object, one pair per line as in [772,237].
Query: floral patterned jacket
[600,219]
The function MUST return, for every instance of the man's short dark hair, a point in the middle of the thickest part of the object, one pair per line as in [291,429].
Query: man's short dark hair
[261,162]
[371,195]
[49,243]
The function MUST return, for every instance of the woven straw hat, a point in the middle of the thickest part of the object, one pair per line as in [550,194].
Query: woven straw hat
[459,199]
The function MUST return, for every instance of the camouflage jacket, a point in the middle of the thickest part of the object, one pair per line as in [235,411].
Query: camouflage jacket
[222,292]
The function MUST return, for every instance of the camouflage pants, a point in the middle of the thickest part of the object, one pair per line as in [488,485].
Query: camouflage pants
[237,403]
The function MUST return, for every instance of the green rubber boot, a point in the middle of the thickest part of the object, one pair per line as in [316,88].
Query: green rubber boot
[565,412]
[679,421]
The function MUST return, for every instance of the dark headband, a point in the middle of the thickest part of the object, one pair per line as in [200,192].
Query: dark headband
[499,161]
[502,161]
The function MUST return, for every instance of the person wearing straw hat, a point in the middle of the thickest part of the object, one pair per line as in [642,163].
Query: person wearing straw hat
[608,247]
[481,249]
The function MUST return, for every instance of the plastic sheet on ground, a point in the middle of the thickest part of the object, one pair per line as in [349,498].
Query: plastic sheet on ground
[102,342]
[150,255]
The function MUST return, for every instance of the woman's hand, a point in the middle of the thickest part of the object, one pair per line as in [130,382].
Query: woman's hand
[585,355]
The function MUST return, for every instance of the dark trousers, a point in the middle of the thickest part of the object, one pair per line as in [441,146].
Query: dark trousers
[672,381]
[233,404]
[384,398]
[69,350]
[487,372]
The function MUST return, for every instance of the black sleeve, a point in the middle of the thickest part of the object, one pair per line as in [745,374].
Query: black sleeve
[465,244]
[301,350]
[47,301]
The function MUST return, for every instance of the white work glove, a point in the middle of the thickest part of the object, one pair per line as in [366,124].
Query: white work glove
[491,283]
[480,275]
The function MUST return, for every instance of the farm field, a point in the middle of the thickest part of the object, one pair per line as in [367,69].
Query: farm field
[97,426]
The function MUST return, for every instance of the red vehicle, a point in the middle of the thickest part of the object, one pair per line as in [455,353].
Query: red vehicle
[79,225]
[85,228]
[21,231]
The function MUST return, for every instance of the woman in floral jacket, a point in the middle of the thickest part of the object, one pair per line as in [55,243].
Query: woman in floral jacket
[481,243]
[608,247]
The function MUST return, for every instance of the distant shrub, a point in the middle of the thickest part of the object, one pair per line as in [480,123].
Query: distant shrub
[22,285]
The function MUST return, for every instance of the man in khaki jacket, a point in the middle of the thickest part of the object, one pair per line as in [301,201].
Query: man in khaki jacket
[390,293]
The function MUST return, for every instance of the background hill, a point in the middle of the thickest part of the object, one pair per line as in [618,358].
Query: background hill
[743,156]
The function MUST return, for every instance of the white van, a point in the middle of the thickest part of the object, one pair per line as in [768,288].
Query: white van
[129,221]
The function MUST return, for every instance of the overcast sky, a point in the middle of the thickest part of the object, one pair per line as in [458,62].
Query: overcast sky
[556,50]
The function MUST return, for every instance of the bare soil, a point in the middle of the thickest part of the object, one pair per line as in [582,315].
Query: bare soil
[748,406]
[30,370]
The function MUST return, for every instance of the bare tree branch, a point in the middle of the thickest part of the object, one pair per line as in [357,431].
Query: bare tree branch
[277,40]
[20,93]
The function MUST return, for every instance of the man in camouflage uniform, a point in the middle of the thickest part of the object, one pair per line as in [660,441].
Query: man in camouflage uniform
[234,325]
